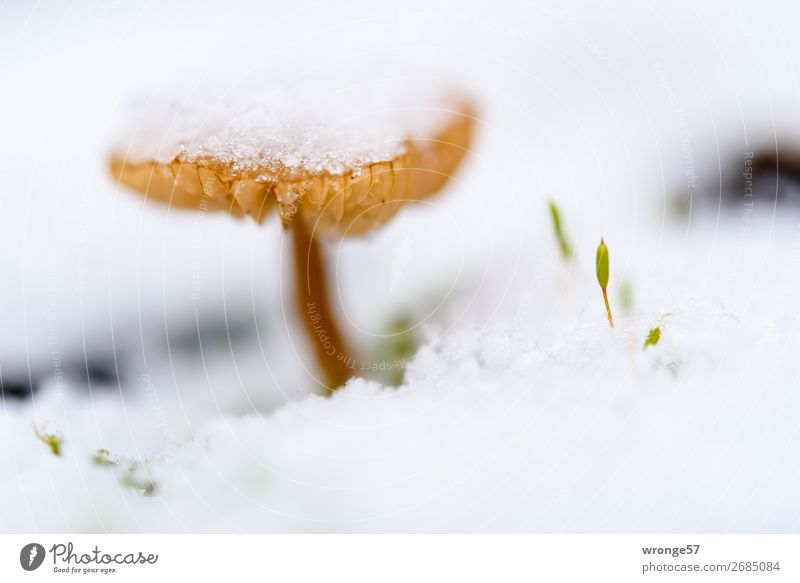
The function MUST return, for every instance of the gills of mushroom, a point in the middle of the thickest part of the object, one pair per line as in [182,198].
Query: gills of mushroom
[333,160]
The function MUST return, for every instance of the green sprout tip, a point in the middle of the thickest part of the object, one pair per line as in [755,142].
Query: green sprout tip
[602,276]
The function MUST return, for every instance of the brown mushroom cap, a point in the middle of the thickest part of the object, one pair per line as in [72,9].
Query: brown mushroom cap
[340,165]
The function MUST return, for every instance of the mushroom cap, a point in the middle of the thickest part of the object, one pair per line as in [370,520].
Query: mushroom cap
[343,159]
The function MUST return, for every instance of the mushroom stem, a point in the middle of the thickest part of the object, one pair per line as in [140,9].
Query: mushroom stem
[313,304]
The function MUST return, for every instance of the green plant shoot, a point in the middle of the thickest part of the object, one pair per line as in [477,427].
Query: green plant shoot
[652,338]
[602,276]
[563,243]
[52,441]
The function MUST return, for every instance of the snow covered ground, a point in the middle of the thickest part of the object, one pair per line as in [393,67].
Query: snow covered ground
[522,410]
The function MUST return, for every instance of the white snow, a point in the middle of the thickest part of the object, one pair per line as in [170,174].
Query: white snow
[538,419]
[320,123]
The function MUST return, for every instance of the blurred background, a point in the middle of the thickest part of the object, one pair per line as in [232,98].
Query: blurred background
[636,116]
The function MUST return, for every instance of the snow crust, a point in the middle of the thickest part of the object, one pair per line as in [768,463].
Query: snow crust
[535,416]
[309,124]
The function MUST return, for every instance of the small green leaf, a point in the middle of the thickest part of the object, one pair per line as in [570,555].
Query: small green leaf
[602,265]
[652,338]
[563,243]
[52,441]
[102,457]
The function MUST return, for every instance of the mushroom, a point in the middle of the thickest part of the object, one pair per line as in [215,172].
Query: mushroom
[334,164]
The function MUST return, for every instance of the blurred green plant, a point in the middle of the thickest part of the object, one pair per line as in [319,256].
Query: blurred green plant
[564,245]
[51,440]
[132,479]
[625,297]
[679,204]
[129,473]
[395,349]
[102,457]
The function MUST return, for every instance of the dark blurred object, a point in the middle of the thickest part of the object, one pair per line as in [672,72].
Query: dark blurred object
[93,372]
[771,175]
[15,387]
[22,384]
[102,369]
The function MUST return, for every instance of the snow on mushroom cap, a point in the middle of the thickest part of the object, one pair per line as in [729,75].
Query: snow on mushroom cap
[320,126]
[342,157]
